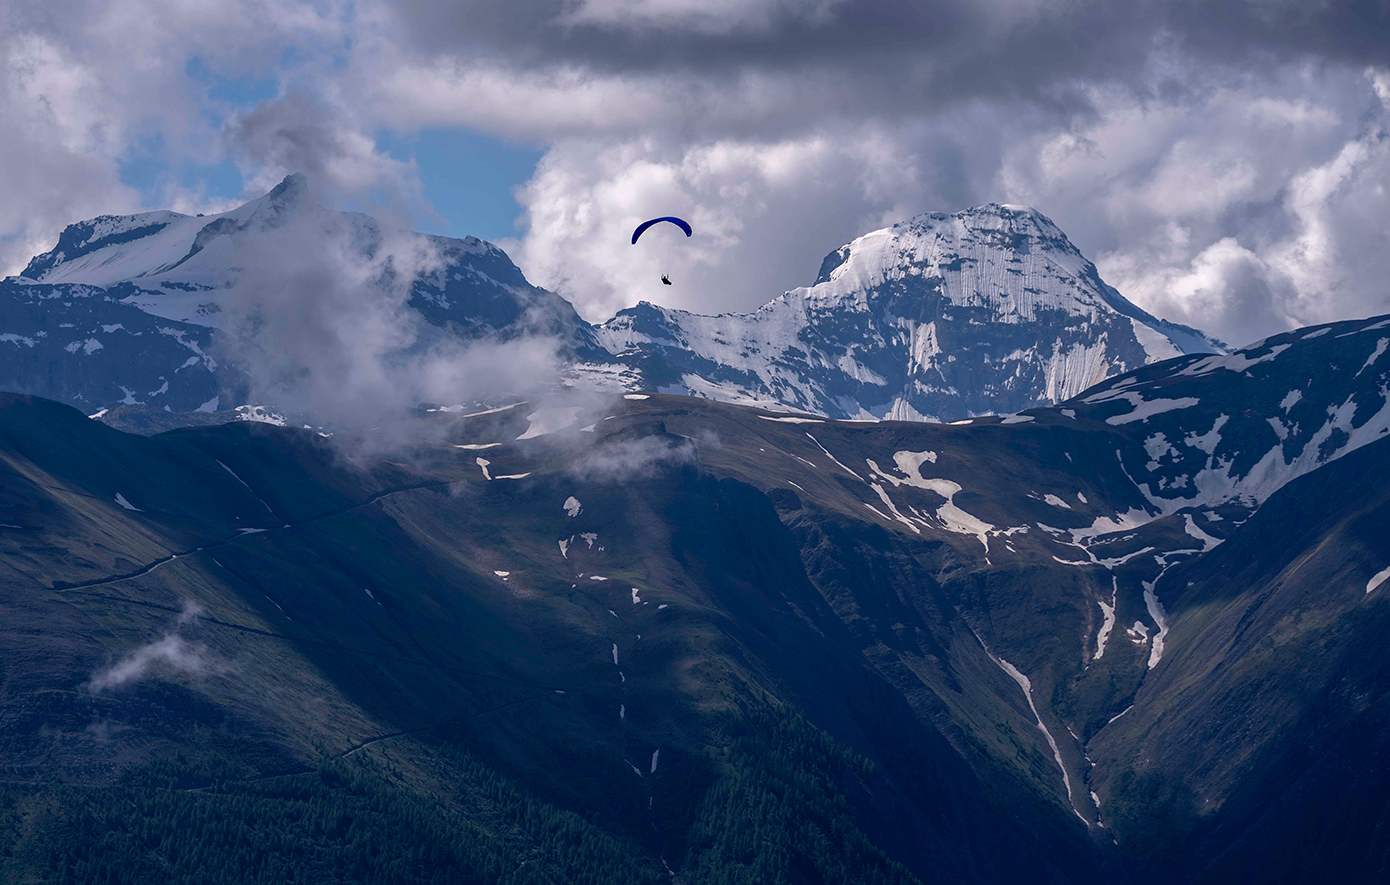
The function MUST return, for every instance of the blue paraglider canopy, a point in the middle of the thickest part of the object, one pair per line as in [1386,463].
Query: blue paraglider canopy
[678,222]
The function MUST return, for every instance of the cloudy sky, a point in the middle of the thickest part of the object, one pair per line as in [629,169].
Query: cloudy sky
[1224,162]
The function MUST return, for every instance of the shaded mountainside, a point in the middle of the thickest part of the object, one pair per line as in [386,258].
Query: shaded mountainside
[1131,638]
[986,311]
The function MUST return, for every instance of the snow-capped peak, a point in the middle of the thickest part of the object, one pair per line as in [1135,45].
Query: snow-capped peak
[159,246]
[988,310]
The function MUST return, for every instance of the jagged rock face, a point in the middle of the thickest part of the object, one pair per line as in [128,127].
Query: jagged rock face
[991,310]
[87,346]
[477,291]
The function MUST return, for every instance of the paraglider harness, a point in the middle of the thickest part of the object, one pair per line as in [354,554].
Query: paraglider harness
[665,279]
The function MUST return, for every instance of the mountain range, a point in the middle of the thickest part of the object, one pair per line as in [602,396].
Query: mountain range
[1133,637]
[687,616]
[991,310]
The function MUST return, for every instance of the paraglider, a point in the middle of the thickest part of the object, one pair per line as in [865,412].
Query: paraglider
[678,222]
[664,250]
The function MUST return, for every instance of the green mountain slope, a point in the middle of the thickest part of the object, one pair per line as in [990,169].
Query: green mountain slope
[601,642]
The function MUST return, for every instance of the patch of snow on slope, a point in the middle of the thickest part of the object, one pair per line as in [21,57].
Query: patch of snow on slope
[1056,501]
[1017,419]
[952,517]
[120,499]
[479,414]
[792,420]
[1208,542]
[257,413]
[572,506]
[1146,409]
[893,508]
[911,462]
[483,463]
[637,396]
[550,420]
[1106,525]
[1108,614]
[1208,441]
[1379,578]
[1027,687]
[1238,361]
[1375,355]
[955,519]
[1160,618]
[1290,400]
[833,458]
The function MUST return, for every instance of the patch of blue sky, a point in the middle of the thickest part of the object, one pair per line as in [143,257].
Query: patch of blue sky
[469,178]
[148,168]
[152,169]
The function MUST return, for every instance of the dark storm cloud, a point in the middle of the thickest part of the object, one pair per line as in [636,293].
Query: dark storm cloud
[918,52]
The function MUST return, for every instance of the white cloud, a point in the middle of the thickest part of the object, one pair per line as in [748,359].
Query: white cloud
[59,146]
[170,652]
[764,214]
[1243,210]
[319,321]
[85,83]
[1220,174]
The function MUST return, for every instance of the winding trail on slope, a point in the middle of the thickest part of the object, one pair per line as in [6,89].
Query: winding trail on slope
[62,587]
[301,770]
[304,640]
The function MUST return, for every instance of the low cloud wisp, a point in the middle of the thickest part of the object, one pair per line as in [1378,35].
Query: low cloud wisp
[171,653]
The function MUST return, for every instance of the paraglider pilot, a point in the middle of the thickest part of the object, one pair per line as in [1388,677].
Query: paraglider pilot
[678,222]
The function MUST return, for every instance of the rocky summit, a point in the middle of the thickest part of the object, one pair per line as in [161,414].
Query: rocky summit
[987,311]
